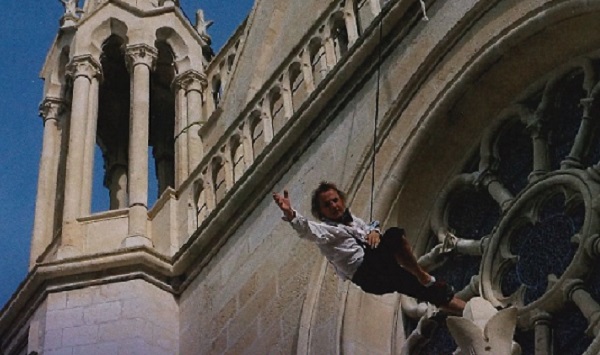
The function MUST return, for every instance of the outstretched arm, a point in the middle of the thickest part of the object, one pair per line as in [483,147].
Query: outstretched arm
[284,204]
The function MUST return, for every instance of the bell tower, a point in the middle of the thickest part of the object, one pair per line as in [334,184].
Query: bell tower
[126,75]
[124,83]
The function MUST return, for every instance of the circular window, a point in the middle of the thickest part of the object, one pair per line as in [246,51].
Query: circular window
[519,225]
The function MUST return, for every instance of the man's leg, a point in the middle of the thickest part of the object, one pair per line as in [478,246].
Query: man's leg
[406,258]
[456,306]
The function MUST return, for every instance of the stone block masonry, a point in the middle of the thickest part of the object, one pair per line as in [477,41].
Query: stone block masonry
[127,317]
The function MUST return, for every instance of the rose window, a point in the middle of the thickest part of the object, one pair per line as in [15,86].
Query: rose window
[519,226]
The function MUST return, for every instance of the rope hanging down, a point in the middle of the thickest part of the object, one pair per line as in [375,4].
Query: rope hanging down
[377,92]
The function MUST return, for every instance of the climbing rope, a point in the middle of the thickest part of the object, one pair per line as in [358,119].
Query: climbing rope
[377,93]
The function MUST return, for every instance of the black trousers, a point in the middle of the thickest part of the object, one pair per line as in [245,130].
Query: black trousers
[380,273]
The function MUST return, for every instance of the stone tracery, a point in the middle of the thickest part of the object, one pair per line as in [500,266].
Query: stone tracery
[530,203]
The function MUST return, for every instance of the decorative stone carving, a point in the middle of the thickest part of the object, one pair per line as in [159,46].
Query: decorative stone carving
[202,26]
[84,65]
[70,7]
[484,330]
[141,54]
[70,17]
[51,108]
[541,151]
[192,80]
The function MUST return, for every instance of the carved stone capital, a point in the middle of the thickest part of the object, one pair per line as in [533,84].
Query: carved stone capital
[84,65]
[191,80]
[51,108]
[140,54]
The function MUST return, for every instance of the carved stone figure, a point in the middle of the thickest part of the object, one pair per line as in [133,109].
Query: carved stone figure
[484,330]
[70,7]
[202,25]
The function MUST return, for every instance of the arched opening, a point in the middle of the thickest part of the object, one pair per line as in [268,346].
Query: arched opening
[277,109]
[201,202]
[218,178]
[339,34]
[113,127]
[318,63]
[297,85]
[162,119]
[216,90]
[237,157]
[257,133]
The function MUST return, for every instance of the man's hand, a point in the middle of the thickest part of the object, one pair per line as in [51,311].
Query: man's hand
[373,239]
[284,204]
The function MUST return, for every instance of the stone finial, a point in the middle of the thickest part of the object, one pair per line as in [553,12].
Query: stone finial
[484,330]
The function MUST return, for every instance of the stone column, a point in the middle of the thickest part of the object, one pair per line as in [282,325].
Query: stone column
[209,102]
[267,120]
[227,157]
[543,334]
[541,157]
[495,188]
[209,190]
[194,84]
[90,145]
[575,292]
[584,136]
[43,223]
[247,144]
[82,69]
[330,57]
[286,95]
[309,80]
[140,59]
[181,133]
[117,186]
[350,20]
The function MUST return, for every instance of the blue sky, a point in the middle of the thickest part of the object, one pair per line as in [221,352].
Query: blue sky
[28,28]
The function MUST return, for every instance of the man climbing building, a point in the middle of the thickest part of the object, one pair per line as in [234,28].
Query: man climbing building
[378,263]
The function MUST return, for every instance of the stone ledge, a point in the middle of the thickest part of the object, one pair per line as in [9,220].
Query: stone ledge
[81,272]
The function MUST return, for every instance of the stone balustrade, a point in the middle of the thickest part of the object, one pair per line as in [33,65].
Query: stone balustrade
[275,103]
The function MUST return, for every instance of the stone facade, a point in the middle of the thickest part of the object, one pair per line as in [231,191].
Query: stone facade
[487,155]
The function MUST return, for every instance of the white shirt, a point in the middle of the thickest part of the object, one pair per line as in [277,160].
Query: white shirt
[337,242]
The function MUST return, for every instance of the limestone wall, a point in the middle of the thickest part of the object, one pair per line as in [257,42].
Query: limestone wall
[130,317]
[250,295]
